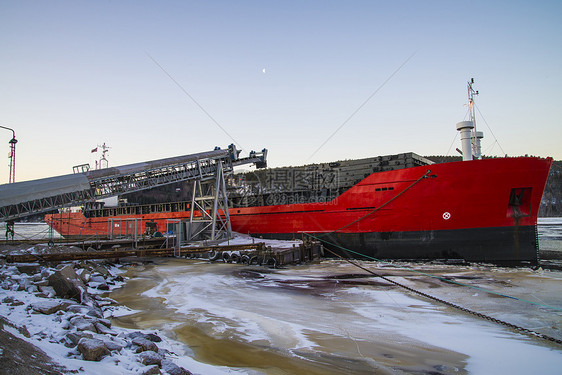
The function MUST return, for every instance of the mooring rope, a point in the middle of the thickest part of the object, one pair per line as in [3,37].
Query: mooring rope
[447,303]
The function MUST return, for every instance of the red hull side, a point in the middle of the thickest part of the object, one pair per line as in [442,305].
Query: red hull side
[458,195]
[75,225]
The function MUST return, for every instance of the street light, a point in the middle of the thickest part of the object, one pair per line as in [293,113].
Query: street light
[12,143]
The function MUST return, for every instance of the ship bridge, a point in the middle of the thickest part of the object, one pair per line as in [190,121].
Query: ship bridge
[21,199]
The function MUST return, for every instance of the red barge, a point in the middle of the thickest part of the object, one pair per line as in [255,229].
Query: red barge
[482,210]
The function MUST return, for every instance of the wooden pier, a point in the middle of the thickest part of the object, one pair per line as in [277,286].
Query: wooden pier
[254,253]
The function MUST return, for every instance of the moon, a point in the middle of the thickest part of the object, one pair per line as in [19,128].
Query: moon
[263,70]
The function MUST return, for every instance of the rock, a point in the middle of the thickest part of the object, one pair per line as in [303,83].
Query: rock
[11,301]
[67,284]
[112,345]
[48,291]
[102,270]
[29,268]
[97,279]
[82,324]
[48,307]
[32,289]
[87,310]
[84,275]
[92,349]
[150,358]
[78,309]
[23,284]
[149,336]
[103,286]
[42,282]
[150,370]
[152,337]
[134,335]
[72,338]
[95,312]
[103,301]
[118,278]
[23,330]
[105,322]
[100,328]
[173,369]
[144,345]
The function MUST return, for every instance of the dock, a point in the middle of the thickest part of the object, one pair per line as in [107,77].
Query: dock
[251,254]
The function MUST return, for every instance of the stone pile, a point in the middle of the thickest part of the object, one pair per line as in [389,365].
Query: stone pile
[71,295]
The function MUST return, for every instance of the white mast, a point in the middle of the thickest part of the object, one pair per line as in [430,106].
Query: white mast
[470,137]
[476,136]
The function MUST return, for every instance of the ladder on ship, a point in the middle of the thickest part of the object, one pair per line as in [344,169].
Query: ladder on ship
[22,199]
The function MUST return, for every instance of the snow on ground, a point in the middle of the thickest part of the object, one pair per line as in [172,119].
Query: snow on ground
[21,297]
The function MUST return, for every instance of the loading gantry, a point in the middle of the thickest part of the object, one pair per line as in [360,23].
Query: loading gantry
[21,199]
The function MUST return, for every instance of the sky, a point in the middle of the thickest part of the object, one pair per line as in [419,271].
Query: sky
[156,79]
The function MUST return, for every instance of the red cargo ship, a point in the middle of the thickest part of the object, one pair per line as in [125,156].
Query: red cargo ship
[476,210]
[479,210]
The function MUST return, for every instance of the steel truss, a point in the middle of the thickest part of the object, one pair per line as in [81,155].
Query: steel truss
[37,206]
[109,182]
[209,219]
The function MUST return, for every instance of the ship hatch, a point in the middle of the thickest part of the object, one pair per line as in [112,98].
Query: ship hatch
[519,202]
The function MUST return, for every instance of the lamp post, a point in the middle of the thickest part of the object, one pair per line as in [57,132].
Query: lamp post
[12,143]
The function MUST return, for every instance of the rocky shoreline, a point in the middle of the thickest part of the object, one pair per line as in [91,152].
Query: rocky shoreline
[61,310]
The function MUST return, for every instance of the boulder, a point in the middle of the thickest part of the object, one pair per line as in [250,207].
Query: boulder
[105,322]
[23,284]
[150,370]
[112,345]
[97,279]
[48,291]
[84,275]
[32,289]
[42,282]
[72,338]
[103,286]
[29,268]
[67,284]
[92,349]
[102,270]
[11,301]
[86,310]
[48,307]
[171,368]
[83,324]
[150,357]
[152,337]
[101,328]
[144,345]
[149,336]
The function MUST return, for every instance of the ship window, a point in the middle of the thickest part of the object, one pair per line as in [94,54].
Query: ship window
[384,189]
[391,188]
[378,189]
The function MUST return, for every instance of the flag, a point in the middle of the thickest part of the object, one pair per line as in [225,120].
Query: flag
[95,150]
